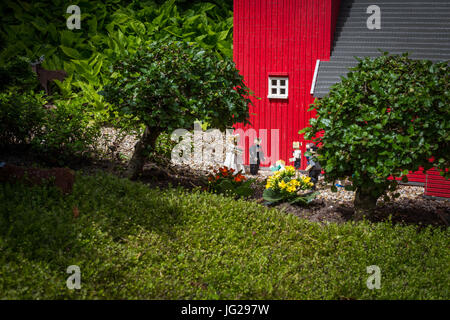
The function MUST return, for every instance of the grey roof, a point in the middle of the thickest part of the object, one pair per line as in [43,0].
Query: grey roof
[421,28]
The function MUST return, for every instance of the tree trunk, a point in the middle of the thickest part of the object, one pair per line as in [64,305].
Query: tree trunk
[136,164]
[365,203]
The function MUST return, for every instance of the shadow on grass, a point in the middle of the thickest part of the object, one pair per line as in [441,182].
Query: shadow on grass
[42,223]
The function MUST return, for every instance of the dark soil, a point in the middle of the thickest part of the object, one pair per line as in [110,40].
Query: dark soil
[405,211]
[157,173]
[398,212]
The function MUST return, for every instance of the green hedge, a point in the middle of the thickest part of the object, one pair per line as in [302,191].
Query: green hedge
[134,242]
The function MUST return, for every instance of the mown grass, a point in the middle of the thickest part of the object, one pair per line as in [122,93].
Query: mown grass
[132,242]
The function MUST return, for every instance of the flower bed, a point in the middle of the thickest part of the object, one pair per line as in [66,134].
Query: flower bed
[286,186]
[229,182]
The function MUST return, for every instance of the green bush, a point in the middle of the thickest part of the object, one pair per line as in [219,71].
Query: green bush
[58,134]
[388,116]
[16,75]
[21,117]
[132,242]
[68,131]
[21,108]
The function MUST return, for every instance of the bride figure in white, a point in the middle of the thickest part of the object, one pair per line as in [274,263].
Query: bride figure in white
[233,157]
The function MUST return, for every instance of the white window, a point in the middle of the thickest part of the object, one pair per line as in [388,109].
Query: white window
[278,87]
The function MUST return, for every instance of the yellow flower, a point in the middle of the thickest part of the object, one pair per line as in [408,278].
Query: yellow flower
[272,182]
[290,169]
[290,186]
[291,189]
[282,184]
[305,179]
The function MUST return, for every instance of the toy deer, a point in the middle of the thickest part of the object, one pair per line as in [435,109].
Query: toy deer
[44,75]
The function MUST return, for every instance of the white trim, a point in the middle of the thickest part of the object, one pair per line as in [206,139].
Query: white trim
[278,87]
[313,84]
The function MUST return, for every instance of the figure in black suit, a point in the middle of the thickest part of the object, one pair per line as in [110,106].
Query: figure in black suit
[314,168]
[256,156]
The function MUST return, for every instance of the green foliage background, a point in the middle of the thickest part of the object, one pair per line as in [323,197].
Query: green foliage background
[62,133]
[109,29]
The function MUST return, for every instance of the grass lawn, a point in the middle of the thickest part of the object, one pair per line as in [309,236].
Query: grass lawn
[132,242]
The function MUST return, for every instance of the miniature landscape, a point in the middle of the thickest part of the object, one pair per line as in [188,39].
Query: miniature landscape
[120,157]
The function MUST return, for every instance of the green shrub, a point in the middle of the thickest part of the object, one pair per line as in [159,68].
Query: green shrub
[132,242]
[68,131]
[21,117]
[21,109]
[58,134]
[16,75]
[388,116]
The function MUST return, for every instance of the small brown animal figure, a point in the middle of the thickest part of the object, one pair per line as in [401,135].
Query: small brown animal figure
[44,75]
[62,178]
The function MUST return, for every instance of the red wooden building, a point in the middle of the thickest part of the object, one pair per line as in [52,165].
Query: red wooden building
[291,51]
[280,41]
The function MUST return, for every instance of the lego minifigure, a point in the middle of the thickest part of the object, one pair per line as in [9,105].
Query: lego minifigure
[297,155]
[233,158]
[314,169]
[256,156]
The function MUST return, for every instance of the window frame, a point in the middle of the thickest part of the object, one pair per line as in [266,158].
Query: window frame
[278,87]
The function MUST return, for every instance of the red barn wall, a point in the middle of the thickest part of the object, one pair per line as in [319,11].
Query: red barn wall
[436,185]
[281,37]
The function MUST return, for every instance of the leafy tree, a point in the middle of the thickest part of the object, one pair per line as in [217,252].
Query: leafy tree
[169,85]
[388,116]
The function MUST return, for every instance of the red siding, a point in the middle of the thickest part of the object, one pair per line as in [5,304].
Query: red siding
[418,177]
[281,36]
[436,185]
